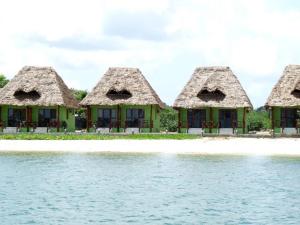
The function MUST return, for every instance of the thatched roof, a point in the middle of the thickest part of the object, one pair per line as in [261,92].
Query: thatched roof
[213,87]
[286,92]
[37,86]
[122,86]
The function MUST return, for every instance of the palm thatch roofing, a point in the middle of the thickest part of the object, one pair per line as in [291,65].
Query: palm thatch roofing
[213,87]
[286,93]
[37,86]
[120,86]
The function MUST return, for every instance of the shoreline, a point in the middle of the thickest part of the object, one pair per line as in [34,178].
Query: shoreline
[204,146]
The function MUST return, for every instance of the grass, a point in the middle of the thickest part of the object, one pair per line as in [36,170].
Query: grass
[61,136]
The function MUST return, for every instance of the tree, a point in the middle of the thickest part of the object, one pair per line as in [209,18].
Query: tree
[259,119]
[168,119]
[3,80]
[79,94]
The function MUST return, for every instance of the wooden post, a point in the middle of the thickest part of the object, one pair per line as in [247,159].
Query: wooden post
[88,118]
[118,118]
[27,118]
[187,121]
[151,119]
[58,120]
[179,121]
[272,115]
[210,120]
[244,121]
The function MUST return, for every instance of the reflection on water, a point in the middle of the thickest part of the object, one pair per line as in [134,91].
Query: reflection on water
[148,189]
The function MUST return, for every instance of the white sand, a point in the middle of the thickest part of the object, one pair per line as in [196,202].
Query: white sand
[230,146]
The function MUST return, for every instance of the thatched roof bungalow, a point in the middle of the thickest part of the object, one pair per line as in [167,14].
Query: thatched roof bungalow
[123,100]
[213,101]
[284,101]
[37,97]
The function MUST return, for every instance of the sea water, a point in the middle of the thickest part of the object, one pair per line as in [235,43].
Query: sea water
[41,188]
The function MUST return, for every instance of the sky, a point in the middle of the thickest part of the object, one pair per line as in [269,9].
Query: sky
[165,39]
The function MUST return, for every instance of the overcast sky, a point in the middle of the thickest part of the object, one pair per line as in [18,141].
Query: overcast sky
[166,39]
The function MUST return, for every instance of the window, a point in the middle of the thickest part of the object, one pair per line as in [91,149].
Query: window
[227,118]
[106,117]
[134,117]
[46,116]
[123,94]
[289,117]
[196,117]
[22,95]
[16,117]
[206,95]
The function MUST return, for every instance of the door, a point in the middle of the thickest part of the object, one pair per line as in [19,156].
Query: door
[16,117]
[46,117]
[196,117]
[134,117]
[227,118]
[106,117]
[288,117]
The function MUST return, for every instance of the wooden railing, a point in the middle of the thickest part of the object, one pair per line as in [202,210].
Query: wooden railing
[2,124]
[211,124]
[107,124]
[139,123]
[283,123]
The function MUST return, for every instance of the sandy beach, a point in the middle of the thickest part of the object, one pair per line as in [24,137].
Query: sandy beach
[210,146]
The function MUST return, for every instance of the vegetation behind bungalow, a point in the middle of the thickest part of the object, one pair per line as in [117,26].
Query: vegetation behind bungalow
[3,80]
[168,119]
[259,120]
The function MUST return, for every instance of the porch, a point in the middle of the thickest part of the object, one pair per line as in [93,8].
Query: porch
[212,121]
[135,119]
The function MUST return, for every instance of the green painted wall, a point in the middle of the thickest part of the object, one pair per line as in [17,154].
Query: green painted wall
[123,108]
[62,116]
[215,115]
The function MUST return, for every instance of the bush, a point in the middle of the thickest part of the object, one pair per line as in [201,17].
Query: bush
[168,119]
[259,120]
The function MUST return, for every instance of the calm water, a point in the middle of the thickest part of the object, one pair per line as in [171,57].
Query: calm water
[148,189]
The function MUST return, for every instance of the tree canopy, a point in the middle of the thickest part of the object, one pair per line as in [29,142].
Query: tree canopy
[259,119]
[79,94]
[3,80]
[168,119]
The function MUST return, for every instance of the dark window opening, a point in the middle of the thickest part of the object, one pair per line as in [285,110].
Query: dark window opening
[16,117]
[106,117]
[196,118]
[228,118]
[22,95]
[46,116]
[296,93]
[123,94]
[135,117]
[215,95]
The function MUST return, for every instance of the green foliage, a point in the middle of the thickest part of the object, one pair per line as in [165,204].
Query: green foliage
[62,136]
[3,80]
[79,94]
[259,120]
[168,119]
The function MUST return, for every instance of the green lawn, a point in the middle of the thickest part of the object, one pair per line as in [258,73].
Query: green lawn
[60,136]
